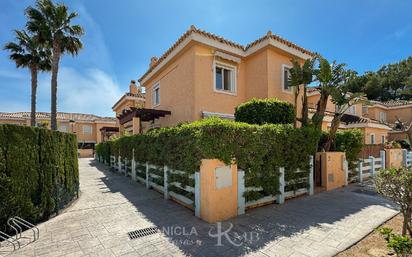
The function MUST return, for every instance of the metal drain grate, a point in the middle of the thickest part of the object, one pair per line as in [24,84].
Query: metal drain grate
[142,232]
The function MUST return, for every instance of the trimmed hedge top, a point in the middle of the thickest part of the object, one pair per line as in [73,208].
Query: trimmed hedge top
[38,172]
[265,111]
[259,150]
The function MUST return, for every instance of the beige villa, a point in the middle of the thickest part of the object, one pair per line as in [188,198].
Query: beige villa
[89,129]
[203,75]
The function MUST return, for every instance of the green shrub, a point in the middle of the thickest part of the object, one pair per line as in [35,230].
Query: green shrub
[349,141]
[259,150]
[401,245]
[265,111]
[38,172]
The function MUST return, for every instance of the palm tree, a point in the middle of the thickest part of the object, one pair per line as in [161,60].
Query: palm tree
[26,52]
[301,76]
[52,23]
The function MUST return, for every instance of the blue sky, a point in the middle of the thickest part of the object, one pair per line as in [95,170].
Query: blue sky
[121,36]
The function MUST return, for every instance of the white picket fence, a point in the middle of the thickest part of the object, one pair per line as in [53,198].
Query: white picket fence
[367,168]
[279,198]
[148,174]
[407,158]
[157,177]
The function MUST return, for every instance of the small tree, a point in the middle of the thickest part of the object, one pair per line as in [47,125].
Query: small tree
[301,76]
[264,111]
[329,76]
[343,100]
[397,185]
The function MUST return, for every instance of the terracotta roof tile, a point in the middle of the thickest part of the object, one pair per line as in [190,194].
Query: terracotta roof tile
[393,103]
[220,39]
[281,40]
[60,116]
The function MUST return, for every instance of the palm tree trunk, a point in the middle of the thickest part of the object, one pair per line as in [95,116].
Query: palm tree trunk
[33,72]
[305,114]
[55,70]
[295,124]
[320,110]
[332,133]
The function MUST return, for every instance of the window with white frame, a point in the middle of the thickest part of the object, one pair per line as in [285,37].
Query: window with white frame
[225,78]
[285,78]
[156,94]
[382,139]
[372,139]
[87,129]
[382,116]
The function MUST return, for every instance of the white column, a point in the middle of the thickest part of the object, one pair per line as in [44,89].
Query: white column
[197,194]
[372,161]
[241,202]
[147,175]
[133,167]
[311,182]
[346,169]
[383,159]
[165,182]
[360,175]
[119,164]
[405,158]
[125,166]
[280,198]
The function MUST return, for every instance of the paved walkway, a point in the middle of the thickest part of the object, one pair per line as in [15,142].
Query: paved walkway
[112,205]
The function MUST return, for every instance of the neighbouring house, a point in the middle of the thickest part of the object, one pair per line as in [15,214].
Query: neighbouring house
[89,129]
[203,75]
[375,132]
[392,113]
[134,99]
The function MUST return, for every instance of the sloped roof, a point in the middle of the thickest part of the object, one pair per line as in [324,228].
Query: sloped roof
[393,103]
[220,39]
[60,116]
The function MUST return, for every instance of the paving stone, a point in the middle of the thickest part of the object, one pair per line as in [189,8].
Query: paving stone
[111,205]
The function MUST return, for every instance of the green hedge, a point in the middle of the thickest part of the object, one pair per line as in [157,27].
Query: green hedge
[38,172]
[259,150]
[265,111]
[349,141]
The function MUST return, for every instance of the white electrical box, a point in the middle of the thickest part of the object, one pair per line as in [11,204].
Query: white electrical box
[223,177]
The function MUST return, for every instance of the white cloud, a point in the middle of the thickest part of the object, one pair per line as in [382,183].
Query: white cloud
[92,92]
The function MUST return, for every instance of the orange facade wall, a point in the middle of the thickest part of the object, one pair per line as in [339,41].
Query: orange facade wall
[205,96]
[187,86]
[404,114]
[177,89]
[378,132]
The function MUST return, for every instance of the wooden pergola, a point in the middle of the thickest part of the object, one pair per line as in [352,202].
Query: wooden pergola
[142,113]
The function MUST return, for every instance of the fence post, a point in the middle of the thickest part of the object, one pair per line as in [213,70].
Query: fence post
[241,202]
[147,175]
[133,167]
[119,165]
[360,165]
[311,186]
[346,169]
[197,194]
[405,158]
[280,198]
[372,161]
[383,159]
[125,166]
[165,182]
